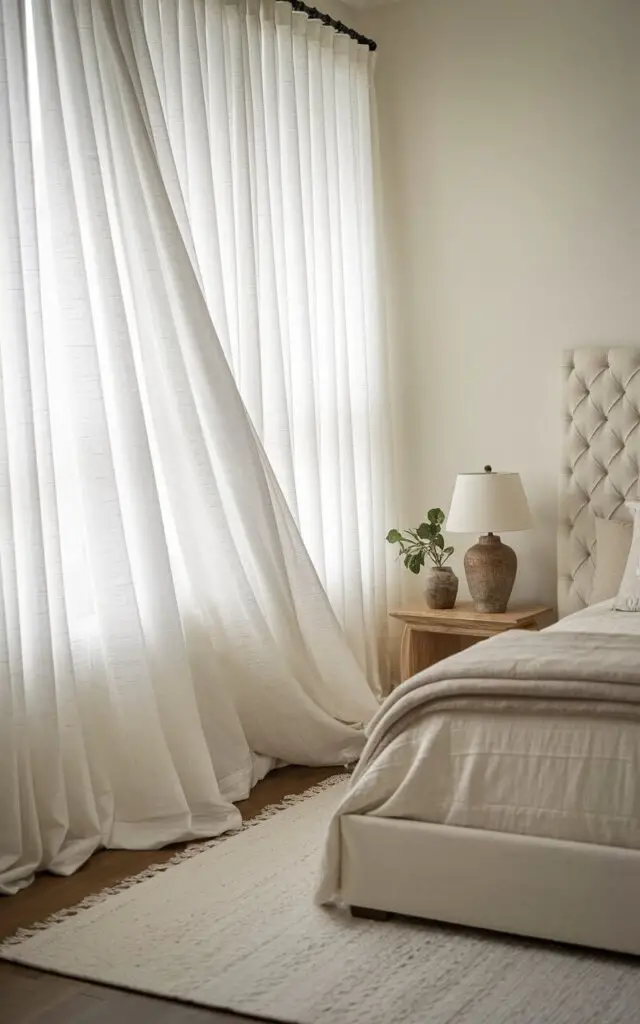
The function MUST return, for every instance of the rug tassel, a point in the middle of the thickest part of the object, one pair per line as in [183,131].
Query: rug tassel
[190,851]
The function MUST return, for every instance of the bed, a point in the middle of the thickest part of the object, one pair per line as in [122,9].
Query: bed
[515,806]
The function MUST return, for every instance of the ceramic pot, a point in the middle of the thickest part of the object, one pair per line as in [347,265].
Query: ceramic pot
[490,568]
[441,588]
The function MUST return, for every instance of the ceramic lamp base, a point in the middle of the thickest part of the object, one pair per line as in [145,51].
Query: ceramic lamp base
[490,567]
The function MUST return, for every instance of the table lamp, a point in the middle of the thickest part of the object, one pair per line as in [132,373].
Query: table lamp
[489,503]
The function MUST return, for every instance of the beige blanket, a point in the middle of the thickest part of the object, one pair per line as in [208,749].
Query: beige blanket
[519,672]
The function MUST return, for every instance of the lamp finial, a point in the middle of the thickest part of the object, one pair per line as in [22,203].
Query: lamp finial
[488,469]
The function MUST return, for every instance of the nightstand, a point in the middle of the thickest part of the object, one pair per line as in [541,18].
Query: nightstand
[431,635]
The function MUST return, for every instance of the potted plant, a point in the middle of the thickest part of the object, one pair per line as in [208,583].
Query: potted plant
[427,542]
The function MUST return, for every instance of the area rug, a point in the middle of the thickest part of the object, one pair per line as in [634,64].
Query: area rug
[235,928]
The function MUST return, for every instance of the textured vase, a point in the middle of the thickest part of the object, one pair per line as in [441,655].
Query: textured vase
[490,568]
[441,588]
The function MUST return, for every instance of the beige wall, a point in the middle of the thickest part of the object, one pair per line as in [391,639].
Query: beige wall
[341,12]
[510,134]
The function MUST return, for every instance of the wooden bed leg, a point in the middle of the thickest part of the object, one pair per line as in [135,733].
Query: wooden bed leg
[372,915]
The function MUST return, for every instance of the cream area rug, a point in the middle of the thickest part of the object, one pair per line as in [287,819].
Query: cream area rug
[234,927]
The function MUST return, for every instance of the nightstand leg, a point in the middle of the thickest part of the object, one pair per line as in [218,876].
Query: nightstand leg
[406,654]
[420,649]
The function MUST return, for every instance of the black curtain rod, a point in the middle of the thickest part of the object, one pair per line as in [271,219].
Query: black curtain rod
[313,12]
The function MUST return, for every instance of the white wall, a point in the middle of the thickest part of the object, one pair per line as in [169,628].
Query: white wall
[510,134]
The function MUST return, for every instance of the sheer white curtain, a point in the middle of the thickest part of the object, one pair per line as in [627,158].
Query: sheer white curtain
[163,635]
[264,118]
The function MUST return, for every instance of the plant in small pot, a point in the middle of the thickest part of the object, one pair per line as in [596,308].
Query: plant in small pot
[427,542]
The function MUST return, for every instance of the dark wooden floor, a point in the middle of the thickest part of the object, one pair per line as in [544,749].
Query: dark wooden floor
[33,997]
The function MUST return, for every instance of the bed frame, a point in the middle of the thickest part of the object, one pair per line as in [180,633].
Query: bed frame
[580,893]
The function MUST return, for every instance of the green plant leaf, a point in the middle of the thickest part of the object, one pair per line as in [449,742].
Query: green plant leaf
[415,563]
[425,542]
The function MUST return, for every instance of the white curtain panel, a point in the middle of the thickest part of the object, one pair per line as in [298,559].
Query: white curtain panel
[163,634]
[263,122]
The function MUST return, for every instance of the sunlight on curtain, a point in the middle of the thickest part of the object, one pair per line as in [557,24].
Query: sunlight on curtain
[163,635]
[264,119]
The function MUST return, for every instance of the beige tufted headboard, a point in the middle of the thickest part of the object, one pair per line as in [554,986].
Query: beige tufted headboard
[600,459]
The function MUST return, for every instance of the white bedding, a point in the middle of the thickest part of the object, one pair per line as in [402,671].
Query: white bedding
[569,778]
[599,618]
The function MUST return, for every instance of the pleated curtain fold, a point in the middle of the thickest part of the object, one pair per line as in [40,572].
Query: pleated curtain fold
[264,124]
[164,636]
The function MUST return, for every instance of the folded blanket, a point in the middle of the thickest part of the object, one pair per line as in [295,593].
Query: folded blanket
[518,670]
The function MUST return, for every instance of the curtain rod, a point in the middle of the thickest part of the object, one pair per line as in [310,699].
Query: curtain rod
[313,12]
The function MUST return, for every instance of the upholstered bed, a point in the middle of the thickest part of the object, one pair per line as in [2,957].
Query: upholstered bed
[520,812]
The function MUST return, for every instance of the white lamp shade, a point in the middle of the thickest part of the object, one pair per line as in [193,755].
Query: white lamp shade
[488,503]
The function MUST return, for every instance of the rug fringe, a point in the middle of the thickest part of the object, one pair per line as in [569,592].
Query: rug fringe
[190,851]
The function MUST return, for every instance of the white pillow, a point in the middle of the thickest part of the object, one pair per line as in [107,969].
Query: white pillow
[628,599]
[613,543]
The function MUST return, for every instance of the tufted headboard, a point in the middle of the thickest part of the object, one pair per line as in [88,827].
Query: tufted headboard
[601,401]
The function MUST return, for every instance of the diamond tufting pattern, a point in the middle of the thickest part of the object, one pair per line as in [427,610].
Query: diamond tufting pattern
[601,456]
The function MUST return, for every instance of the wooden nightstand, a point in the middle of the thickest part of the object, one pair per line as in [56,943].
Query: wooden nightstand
[430,635]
